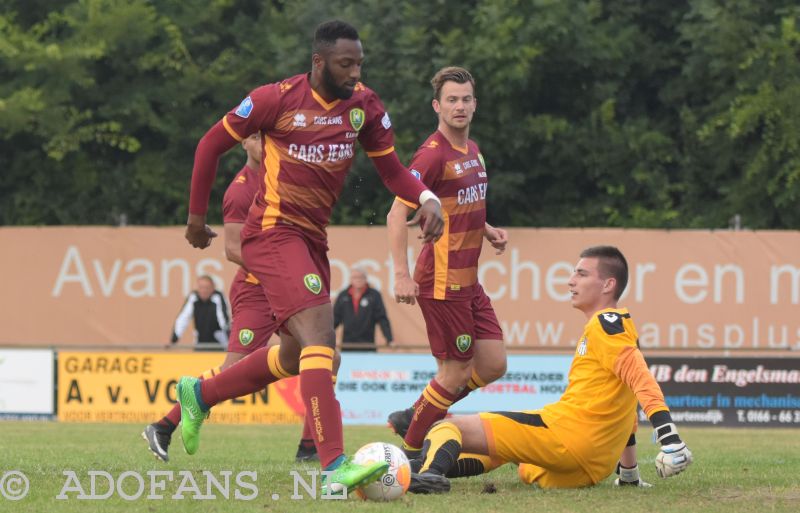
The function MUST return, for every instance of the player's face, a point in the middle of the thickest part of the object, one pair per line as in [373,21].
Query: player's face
[341,68]
[456,105]
[204,289]
[252,145]
[585,285]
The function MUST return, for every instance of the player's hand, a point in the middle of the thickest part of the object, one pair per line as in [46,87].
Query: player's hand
[630,477]
[673,459]
[430,215]
[198,233]
[498,238]
[406,290]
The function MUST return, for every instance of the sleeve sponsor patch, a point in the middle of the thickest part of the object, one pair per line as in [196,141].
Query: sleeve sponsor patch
[611,323]
[245,108]
[416,174]
[385,121]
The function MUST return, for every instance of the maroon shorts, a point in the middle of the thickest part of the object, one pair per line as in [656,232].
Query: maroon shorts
[253,322]
[454,326]
[293,269]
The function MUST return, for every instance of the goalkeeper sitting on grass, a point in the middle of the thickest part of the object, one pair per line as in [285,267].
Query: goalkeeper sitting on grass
[576,441]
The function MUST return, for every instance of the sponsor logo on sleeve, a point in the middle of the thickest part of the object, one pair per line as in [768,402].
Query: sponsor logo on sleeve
[245,108]
[416,174]
[385,121]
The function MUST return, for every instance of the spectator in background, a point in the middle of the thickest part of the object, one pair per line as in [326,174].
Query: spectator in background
[208,308]
[359,308]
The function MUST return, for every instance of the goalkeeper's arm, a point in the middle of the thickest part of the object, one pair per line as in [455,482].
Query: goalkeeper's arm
[628,467]
[674,456]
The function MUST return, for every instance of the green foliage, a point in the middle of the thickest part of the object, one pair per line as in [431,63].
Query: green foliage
[624,113]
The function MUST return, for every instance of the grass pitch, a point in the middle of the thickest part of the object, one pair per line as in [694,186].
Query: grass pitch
[740,470]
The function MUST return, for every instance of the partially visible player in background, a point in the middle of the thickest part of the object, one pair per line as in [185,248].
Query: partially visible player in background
[253,323]
[310,123]
[463,331]
[576,441]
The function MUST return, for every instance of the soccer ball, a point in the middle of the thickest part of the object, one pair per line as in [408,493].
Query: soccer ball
[394,483]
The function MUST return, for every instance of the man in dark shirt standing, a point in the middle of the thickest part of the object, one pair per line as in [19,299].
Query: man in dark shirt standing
[209,310]
[359,308]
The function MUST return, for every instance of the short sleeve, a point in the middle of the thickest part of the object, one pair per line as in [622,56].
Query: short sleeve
[426,166]
[258,111]
[376,136]
[237,200]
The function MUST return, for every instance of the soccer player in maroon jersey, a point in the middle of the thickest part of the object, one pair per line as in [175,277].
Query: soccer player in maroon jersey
[253,324]
[310,123]
[463,331]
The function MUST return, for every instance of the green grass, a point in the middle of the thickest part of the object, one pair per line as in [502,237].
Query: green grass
[735,471]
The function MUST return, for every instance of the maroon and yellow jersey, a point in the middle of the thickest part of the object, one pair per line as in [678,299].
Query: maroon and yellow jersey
[236,204]
[597,413]
[308,149]
[448,268]
[239,195]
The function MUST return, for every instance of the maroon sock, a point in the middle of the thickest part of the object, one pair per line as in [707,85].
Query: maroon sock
[173,418]
[322,408]
[250,374]
[430,407]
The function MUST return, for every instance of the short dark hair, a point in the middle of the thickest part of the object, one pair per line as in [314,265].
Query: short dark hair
[327,33]
[450,74]
[612,265]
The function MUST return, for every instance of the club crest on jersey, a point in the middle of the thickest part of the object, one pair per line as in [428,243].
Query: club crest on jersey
[313,283]
[357,117]
[245,108]
[582,347]
[246,336]
[463,342]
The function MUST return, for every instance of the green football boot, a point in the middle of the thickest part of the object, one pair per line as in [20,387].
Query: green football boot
[352,475]
[192,413]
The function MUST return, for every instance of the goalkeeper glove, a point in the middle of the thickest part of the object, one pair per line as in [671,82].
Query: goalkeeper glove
[630,477]
[673,459]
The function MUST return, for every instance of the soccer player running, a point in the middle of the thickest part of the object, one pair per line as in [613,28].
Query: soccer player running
[574,442]
[463,331]
[310,123]
[253,323]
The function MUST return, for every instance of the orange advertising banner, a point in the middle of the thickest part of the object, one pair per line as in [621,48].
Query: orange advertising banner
[140,387]
[695,290]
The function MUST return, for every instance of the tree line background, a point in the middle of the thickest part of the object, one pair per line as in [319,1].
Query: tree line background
[631,113]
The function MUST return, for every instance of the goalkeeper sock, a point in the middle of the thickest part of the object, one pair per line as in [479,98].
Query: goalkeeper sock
[442,448]
[470,464]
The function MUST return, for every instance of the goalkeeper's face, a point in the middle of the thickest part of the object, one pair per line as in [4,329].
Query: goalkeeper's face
[589,291]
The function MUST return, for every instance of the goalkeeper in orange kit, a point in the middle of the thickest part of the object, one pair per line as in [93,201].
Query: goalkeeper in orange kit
[576,441]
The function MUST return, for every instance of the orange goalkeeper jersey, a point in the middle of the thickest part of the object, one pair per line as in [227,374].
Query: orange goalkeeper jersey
[597,413]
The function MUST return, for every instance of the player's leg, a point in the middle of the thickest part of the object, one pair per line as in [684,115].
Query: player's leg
[306,449]
[442,448]
[451,335]
[158,435]
[251,329]
[488,362]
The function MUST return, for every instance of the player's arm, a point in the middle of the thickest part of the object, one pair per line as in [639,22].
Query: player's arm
[632,369]
[497,237]
[377,139]
[206,158]
[233,242]
[257,111]
[405,288]
[628,466]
